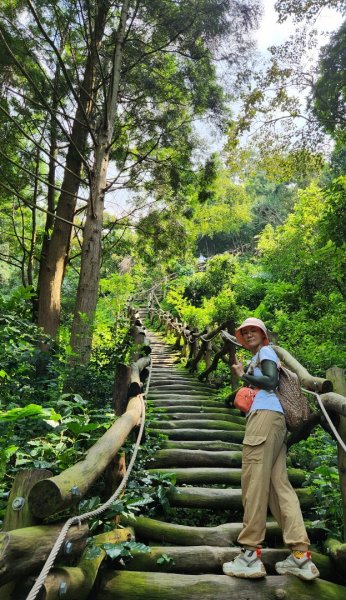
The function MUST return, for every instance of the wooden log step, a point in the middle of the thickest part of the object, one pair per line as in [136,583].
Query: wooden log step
[209,559]
[194,458]
[202,445]
[179,383]
[219,498]
[205,434]
[197,423]
[181,389]
[134,585]
[164,402]
[202,415]
[187,399]
[193,408]
[230,476]
[148,530]
[165,375]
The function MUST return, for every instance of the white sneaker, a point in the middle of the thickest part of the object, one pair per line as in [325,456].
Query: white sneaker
[248,564]
[299,564]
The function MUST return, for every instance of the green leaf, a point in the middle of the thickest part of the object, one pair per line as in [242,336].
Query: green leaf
[30,411]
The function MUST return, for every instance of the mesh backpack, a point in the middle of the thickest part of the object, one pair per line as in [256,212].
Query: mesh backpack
[292,399]
[294,404]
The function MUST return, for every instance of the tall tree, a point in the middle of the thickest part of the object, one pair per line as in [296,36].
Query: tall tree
[329,91]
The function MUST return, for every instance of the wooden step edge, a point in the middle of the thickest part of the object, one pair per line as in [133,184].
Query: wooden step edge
[134,585]
[209,559]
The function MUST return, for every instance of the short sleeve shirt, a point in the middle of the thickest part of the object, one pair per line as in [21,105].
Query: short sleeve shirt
[264,399]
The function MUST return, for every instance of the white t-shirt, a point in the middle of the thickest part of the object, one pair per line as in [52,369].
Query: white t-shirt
[265,400]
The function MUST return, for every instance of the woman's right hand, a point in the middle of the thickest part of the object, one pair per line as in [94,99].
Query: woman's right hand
[238,368]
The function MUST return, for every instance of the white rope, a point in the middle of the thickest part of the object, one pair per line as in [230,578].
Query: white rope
[331,424]
[78,519]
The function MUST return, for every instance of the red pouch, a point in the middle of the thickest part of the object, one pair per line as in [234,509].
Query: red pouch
[244,398]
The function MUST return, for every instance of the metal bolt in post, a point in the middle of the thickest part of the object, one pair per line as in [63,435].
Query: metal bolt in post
[62,589]
[18,503]
[75,491]
[68,548]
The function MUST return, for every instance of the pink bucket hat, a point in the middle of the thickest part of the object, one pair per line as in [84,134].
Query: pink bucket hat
[251,322]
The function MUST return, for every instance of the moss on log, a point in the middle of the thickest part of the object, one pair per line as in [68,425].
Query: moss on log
[182,408]
[209,559]
[23,482]
[52,495]
[220,475]
[194,458]
[222,535]
[79,580]
[205,434]
[172,586]
[24,551]
[337,552]
[197,423]
[216,498]
[189,400]
[212,416]
[202,445]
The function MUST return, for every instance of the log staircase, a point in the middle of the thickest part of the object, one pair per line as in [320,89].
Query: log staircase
[204,451]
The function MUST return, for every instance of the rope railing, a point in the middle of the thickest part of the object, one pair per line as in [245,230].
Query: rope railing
[88,515]
[78,519]
[327,417]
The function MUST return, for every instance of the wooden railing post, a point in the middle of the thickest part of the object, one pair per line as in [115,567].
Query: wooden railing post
[337,377]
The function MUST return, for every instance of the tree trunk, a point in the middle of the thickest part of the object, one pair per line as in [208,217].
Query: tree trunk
[87,293]
[55,253]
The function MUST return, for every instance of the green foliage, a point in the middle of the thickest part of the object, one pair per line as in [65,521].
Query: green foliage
[317,456]
[125,549]
[329,95]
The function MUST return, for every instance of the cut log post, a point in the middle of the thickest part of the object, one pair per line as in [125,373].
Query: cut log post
[18,513]
[77,582]
[25,551]
[337,552]
[337,376]
[120,388]
[57,493]
[134,585]
[137,367]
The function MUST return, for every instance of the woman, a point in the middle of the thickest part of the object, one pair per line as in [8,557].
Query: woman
[264,478]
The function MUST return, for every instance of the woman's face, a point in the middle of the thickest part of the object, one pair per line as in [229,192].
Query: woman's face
[253,337]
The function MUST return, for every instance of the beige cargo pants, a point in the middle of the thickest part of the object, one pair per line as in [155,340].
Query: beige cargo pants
[265,483]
